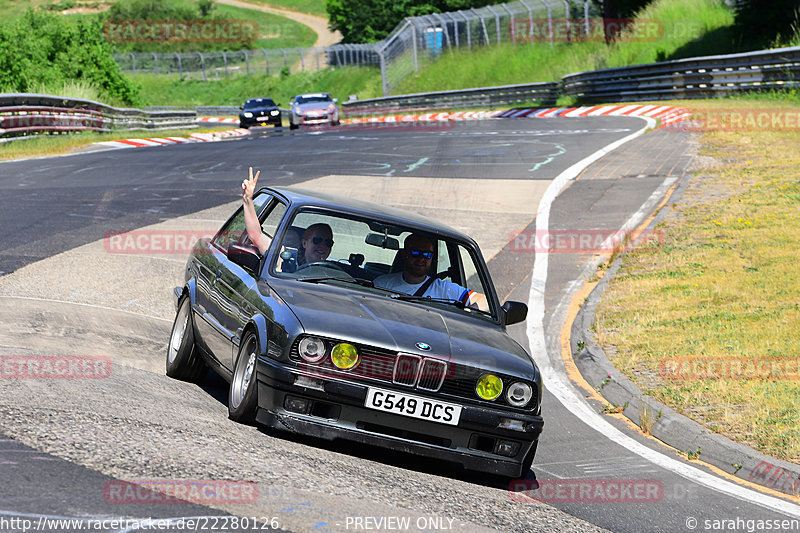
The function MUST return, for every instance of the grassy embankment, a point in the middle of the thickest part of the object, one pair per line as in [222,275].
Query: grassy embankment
[707,321]
[690,27]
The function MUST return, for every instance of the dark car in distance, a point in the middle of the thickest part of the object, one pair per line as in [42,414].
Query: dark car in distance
[259,112]
[317,348]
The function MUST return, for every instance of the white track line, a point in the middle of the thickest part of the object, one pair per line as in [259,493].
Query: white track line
[558,384]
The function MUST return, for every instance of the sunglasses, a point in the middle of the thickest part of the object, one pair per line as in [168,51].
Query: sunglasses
[420,253]
[319,240]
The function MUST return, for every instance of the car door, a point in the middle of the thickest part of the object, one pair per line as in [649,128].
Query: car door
[220,301]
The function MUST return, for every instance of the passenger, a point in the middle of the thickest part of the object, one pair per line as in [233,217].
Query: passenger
[417,254]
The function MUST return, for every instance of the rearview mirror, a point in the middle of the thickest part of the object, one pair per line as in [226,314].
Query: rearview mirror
[376,239]
[515,312]
[245,256]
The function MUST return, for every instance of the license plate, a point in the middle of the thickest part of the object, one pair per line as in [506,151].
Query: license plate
[413,406]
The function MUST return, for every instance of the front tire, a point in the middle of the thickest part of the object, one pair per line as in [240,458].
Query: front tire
[243,396]
[183,361]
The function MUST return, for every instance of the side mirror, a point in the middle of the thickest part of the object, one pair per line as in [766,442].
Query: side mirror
[515,312]
[245,256]
[335,100]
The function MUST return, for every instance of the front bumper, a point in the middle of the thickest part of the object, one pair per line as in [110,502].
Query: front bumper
[260,121]
[338,412]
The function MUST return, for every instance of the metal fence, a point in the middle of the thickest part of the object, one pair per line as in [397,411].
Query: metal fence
[30,114]
[415,42]
[699,77]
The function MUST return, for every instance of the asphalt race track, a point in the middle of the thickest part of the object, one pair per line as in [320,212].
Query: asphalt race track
[67,289]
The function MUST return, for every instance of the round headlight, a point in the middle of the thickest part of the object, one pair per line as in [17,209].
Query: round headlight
[312,349]
[519,394]
[248,114]
[489,387]
[274,112]
[344,356]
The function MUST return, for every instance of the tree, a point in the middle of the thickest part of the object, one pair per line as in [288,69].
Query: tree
[761,21]
[364,21]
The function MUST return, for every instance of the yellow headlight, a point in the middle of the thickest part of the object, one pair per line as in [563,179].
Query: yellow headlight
[489,387]
[344,356]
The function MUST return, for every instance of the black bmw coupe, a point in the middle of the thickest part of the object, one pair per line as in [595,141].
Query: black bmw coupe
[324,348]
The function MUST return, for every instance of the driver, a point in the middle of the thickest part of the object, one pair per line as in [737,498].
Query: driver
[316,244]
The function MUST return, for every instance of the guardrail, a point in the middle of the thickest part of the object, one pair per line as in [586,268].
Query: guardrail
[28,114]
[543,93]
[700,77]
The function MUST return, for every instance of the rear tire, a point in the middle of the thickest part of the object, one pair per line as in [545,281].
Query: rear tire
[183,361]
[243,395]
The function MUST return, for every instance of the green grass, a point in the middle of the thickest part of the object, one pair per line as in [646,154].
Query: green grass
[169,91]
[274,31]
[313,7]
[722,289]
[684,24]
[50,145]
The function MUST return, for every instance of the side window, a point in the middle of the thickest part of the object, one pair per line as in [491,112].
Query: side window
[234,230]
[471,279]
[442,259]
[270,224]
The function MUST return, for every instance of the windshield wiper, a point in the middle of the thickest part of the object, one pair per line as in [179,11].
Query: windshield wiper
[358,281]
[412,298]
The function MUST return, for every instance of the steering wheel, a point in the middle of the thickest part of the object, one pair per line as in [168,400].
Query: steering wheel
[325,264]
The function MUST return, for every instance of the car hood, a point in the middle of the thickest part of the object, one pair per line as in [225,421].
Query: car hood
[378,320]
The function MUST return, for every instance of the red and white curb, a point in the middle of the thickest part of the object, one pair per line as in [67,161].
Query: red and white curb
[162,141]
[665,114]
[218,120]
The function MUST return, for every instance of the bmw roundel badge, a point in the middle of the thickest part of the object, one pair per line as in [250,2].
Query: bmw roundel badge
[425,347]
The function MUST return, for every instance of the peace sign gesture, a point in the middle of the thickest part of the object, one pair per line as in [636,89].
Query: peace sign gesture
[249,186]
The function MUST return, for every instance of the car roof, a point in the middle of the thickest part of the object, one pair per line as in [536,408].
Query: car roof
[305,197]
[313,95]
[260,99]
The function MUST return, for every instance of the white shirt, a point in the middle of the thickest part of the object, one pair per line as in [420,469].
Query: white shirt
[446,290]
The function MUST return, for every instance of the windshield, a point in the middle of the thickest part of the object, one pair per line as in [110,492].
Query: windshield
[313,99]
[394,260]
[260,102]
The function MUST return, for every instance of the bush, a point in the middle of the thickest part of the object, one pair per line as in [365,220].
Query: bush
[44,49]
